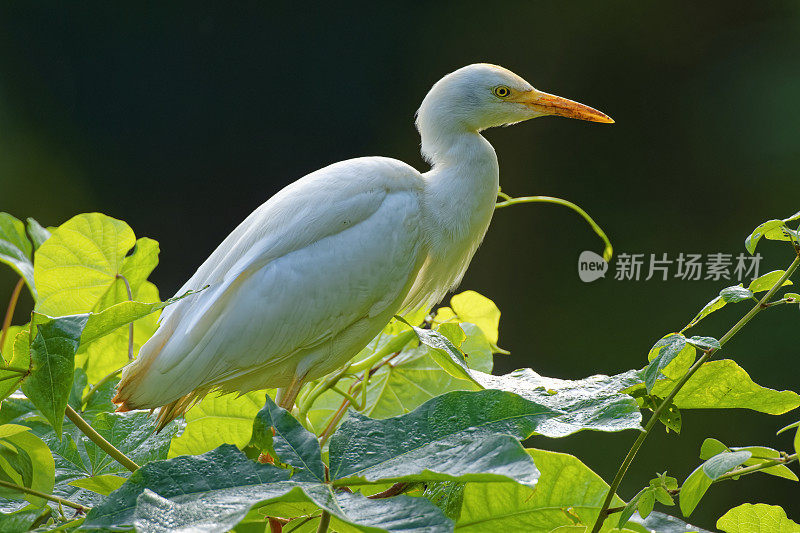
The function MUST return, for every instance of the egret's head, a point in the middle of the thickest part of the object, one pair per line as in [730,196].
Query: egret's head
[481,96]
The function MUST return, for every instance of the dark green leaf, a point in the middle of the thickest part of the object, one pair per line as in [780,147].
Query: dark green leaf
[700,480]
[292,443]
[52,356]
[455,435]
[215,491]
[595,403]
[704,343]
[664,523]
[447,496]
[37,233]
[736,294]
[445,353]
[22,520]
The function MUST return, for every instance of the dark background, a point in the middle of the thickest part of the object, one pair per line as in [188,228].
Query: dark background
[181,119]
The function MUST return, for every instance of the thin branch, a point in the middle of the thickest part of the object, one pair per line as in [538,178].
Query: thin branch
[654,418]
[130,326]
[12,305]
[394,490]
[103,381]
[52,498]
[98,439]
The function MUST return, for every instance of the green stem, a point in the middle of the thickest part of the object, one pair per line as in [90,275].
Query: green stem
[52,498]
[98,439]
[130,326]
[12,305]
[755,468]
[509,201]
[623,469]
[324,522]
[97,385]
[316,392]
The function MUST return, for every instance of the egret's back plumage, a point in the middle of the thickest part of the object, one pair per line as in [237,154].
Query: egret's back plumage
[311,276]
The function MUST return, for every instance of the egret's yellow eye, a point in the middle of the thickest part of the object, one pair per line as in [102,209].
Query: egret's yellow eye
[502,91]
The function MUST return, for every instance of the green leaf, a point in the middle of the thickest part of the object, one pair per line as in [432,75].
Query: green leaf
[771,229]
[595,403]
[52,356]
[477,349]
[712,447]
[725,385]
[763,454]
[25,461]
[216,420]
[459,435]
[767,281]
[700,480]
[568,493]
[115,316]
[445,353]
[104,484]
[796,435]
[215,491]
[477,309]
[37,233]
[292,443]
[661,354]
[447,496]
[704,343]
[757,518]
[646,503]
[664,523]
[22,520]
[16,249]
[79,263]
[630,508]
[736,294]
[17,352]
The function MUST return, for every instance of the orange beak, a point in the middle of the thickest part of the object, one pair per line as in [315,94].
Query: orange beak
[550,104]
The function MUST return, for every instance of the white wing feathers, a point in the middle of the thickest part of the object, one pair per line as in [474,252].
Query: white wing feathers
[340,245]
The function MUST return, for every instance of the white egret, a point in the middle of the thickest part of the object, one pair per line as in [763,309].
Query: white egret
[313,274]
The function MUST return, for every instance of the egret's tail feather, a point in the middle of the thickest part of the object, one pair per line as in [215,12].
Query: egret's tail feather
[173,410]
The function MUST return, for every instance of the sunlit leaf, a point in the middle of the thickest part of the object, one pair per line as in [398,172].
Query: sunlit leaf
[664,351]
[25,460]
[16,353]
[79,263]
[477,309]
[37,233]
[16,249]
[216,420]
[757,518]
[595,402]
[103,484]
[771,229]
[767,281]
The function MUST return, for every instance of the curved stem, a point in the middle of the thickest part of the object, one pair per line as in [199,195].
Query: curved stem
[623,469]
[508,201]
[12,305]
[98,439]
[52,498]
[324,522]
[755,468]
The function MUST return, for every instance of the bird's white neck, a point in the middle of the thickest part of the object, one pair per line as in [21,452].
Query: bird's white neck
[460,195]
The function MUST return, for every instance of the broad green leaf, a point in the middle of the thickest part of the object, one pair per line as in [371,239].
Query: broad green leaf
[292,443]
[681,362]
[464,435]
[136,267]
[712,447]
[79,263]
[704,343]
[16,352]
[714,305]
[763,454]
[477,309]
[596,402]
[216,420]
[37,233]
[26,461]
[568,493]
[646,503]
[16,249]
[476,348]
[104,484]
[52,357]
[215,491]
[725,385]
[767,281]
[757,518]
[700,480]
[661,354]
